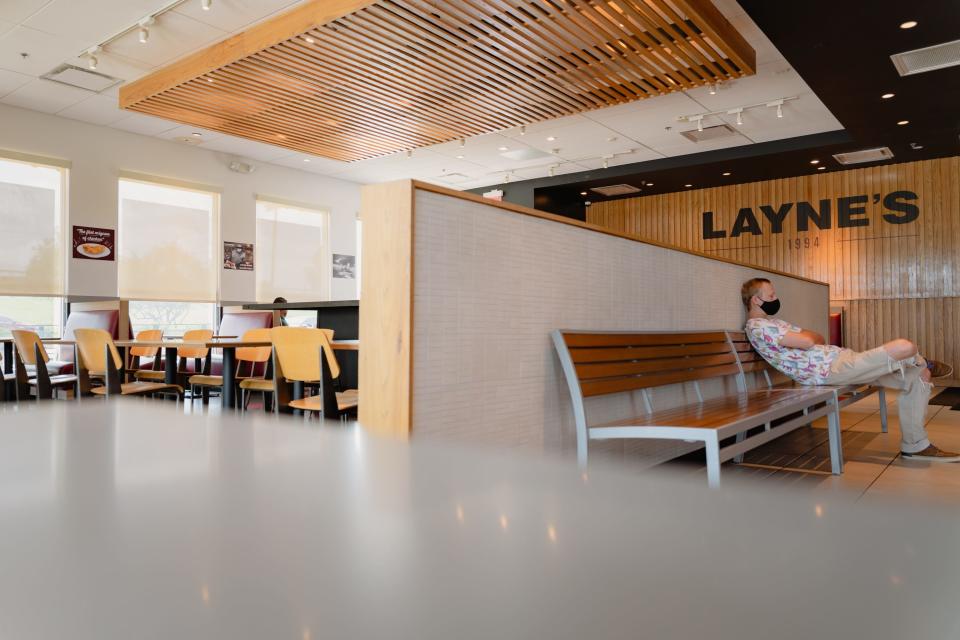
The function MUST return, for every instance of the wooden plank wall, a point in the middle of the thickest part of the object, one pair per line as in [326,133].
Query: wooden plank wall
[892,279]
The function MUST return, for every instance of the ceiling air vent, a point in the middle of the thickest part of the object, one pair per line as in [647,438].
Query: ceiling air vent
[939,56]
[866,155]
[81,78]
[616,190]
[709,133]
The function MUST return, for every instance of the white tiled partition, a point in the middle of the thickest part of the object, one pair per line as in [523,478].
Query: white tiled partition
[491,283]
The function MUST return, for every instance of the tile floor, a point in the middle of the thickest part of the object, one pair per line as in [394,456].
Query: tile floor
[873,467]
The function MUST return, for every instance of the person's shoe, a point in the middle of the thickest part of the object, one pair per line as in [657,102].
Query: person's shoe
[932,454]
[939,369]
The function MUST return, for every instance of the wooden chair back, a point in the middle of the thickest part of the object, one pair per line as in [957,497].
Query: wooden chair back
[255,354]
[92,348]
[195,335]
[614,362]
[148,335]
[26,343]
[296,350]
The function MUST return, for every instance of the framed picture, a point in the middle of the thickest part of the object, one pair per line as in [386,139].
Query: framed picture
[344,266]
[238,256]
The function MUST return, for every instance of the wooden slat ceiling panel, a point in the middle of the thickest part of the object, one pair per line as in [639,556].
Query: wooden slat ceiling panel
[351,80]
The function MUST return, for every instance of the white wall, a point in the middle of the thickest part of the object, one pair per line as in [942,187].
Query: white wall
[98,154]
[491,284]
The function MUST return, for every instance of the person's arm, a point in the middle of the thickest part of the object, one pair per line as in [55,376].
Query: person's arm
[802,339]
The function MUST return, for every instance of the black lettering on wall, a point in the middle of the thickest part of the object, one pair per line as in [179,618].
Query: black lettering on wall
[893,202]
[776,217]
[708,231]
[746,221]
[806,213]
[849,208]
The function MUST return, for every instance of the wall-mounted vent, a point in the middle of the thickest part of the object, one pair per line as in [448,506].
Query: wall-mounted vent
[939,56]
[709,133]
[616,190]
[81,78]
[865,155]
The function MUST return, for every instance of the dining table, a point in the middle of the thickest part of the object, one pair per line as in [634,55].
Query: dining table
[228,396]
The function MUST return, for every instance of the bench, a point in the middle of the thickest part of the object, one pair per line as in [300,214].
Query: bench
[605,363]
[752,362]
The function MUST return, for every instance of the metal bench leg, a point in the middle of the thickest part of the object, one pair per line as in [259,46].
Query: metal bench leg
[740,438]
[882,396]
[713,463]
[836,445]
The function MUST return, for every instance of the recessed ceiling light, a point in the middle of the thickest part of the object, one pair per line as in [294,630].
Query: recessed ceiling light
[820,168]
[814,162]
[909,24]
[551,138]
[887,96]
[726,173]
[504,148]
[209,79]
[688,185]
[583,193]
[308,39]
[306,159]
[903,122]
[460,157]
[196,134]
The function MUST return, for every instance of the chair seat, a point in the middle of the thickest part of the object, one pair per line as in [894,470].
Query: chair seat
[151,376]
[139,388]
[718,412]
[348,399]
[256,384]
[58,381]
[206,381]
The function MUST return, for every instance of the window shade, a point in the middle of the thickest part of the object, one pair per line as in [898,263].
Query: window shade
[32,255]
[166,249]
[292,254]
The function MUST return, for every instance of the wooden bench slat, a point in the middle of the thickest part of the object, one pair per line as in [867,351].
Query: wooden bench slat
[614,385]
[589,372]
[613,354]
[573,340]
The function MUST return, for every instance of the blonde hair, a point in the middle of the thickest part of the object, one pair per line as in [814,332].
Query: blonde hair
[751,288]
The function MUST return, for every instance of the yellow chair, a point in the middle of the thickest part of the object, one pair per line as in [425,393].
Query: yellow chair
[305,355]
[136,354]
[93,345]
[253,355]
[183,354]
[31,354]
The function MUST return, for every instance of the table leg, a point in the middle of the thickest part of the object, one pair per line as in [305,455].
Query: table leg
[229,377]
[124,355]
[297,395]
[8,357]
[170,365]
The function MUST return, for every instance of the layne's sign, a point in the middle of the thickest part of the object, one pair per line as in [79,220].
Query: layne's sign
[851,211]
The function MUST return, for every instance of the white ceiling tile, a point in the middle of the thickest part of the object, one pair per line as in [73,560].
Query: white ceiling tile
[687,147]
[97,109]
[5,27]
[232,15]
[804,116]
[247,148]
[92,22]
[17,11]
[45,51]
[143,124]
[626,157]
[171,36]
[486,151]
[187,131]
[10,81]
[772,81]
[45,96]
[323,166]
[115,65]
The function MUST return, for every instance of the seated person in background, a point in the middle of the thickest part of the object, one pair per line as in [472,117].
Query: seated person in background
[282,313]
[802,355]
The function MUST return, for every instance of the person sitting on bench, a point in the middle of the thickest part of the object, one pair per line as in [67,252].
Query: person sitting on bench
[802,355]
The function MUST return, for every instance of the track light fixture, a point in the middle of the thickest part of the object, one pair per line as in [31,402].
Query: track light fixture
[737,111]
[553,170]
[92,60]
[779,110]
[205,4]
[145,29]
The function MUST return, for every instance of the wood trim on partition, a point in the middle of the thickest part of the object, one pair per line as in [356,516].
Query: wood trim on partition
[463,195]
[386,359]
[266,34]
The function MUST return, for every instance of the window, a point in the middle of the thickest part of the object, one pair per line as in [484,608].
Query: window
[166,245]
[43,315]
[292,253]
[33,256]
[173,318]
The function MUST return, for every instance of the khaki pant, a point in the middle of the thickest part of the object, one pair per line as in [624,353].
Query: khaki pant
[878,368]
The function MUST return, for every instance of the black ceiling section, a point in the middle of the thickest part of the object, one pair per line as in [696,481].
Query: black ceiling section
[842,49]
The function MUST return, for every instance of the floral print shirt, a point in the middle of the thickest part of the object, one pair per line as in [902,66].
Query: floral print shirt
[806,366]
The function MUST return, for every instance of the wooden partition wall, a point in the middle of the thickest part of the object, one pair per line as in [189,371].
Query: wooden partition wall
[460,295]
[887,239]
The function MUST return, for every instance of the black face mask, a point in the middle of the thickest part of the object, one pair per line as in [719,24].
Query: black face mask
[770,307]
